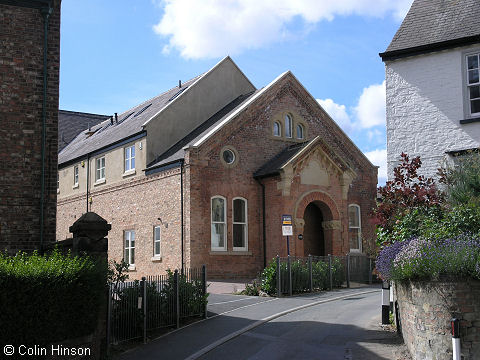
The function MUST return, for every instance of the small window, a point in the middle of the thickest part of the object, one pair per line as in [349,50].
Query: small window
[100,168]
[129,256]
[300,131]
[130,158]
[228,156]
[277,129]
[240,229]
[473,84]
[156,241]
[288,126]
[219,215]
[75,175]
[354,228]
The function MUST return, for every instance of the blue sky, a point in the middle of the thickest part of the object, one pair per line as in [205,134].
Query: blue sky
[116,54]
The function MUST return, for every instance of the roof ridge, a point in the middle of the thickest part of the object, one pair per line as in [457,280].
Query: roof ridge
[81,113]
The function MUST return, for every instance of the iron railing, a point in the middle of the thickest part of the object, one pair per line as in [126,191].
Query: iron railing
[314,273]
[138,307]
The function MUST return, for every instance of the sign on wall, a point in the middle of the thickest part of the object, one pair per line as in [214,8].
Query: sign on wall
[287,227]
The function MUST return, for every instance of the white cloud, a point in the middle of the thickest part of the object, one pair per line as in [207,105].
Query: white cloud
[379,157]
[338,113]
[214,28]
[370,110]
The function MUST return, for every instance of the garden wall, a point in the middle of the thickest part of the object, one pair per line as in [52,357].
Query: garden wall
[426,309]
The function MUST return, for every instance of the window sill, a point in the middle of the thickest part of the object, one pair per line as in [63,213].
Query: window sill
[236,252]
[75,186]
[132,267]
[156,258]
[356,252]
[129,173]
[470,120]
[99,182]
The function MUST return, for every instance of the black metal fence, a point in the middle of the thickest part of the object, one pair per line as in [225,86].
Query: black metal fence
[314,273]
[138,307]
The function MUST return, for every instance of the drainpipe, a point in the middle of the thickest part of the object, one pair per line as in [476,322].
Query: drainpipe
[181,209]
[263,225]
[88,177]
[46,11]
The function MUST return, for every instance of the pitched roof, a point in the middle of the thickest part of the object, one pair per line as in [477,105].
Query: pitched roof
[435,25]
[177,151]
[71,123]
[274,165]
[129,123]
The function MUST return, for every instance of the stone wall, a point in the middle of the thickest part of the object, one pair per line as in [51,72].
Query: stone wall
[21,97]
[425,103]
[426,309]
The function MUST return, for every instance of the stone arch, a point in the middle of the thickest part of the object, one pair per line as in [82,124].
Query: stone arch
[329,220]
[321,199]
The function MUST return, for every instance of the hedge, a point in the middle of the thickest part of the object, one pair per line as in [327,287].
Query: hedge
[50,298]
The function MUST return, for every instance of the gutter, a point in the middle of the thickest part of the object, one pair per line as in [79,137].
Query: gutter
[45,11]
[425,49]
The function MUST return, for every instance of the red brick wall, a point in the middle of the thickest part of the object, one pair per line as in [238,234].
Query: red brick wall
[250,135]
[21,82]
[134,205]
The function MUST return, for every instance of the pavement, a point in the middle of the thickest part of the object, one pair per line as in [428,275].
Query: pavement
[340,324]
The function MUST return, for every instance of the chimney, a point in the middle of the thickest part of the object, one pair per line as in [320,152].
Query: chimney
[116,118]
[179,84]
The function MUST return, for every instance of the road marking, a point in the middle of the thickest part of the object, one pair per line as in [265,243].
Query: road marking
[226,302]
[257,323]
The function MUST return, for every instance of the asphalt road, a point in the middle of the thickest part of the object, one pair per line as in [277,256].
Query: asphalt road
[330,325]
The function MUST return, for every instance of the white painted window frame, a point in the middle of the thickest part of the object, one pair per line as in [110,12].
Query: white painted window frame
[217,248]
[129,160]
[288,127]
[99,168]
[128,234]
[302,129]
[359,227]
[75,175]
[245,240]
[155,241]
[466,92]
[277,123]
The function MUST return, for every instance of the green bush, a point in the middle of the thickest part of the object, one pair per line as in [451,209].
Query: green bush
[301,276]
[46,299]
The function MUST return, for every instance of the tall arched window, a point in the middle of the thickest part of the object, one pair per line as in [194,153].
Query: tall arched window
[288,126]
[354,228]
[219,216]
[277,129]
[300,131]
[240,224]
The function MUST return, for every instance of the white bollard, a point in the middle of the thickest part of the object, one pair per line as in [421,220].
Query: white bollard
[456,339]
[385,303]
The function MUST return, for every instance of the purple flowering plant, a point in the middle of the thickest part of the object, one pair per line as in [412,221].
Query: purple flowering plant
[421,258]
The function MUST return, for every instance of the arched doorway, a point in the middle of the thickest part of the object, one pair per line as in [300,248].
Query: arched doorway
[313,235]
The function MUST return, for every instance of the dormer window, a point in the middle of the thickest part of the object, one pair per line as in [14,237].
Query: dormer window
[288,126]
[277,129]
[300,132]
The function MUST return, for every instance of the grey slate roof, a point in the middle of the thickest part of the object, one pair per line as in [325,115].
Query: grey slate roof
[436,24]
[176,152]
[129,124]
[71,123]
[273,166]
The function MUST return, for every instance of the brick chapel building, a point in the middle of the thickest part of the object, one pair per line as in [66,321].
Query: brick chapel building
[203,173]
[29,78]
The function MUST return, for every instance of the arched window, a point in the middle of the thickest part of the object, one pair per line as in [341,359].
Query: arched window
[277,129]
[300,131]
[219,217]
[354,228]
[240,224]
[288,126]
